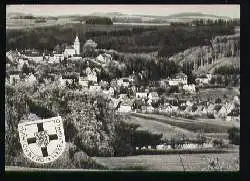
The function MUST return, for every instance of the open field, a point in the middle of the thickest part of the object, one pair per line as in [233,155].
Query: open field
[156,127]
[191,162]
[190,125]
[187,162]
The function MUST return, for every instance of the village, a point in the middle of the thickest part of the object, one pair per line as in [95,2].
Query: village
[120,91]
[124,95]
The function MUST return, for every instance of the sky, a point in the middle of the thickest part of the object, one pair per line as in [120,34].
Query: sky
[232,11]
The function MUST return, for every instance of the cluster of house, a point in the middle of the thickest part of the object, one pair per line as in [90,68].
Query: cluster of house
[124,93]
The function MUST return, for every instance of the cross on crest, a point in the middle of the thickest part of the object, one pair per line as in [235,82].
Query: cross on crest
[43,140]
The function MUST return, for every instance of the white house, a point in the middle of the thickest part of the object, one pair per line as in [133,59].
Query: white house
[35,58]
[203,80]
[67,79]
[124,108]
[180,78]
[21,62]
[56,58]
[14,78]
[163,83]
[123,82]
[95,88]
[153,96]
[92,76]
[64,82]
[83,82]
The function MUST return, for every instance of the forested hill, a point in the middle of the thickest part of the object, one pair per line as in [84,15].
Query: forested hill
[167,40]
[222,51]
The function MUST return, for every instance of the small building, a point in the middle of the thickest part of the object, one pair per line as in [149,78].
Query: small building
[203,79]
[95,88]
[178,79]
[153,96]
[21,63]
[83,82]
[14,78]
[91,75]
[124,108]
[123,82]
[68,79]
[163,83]
[150,109]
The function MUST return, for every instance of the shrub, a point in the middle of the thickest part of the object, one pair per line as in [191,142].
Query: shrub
[218,143]
[234,135]
[210,115]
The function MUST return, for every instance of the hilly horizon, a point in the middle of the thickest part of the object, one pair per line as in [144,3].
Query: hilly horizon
[118,14]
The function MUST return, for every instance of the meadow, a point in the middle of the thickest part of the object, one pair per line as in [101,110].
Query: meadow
[183,162]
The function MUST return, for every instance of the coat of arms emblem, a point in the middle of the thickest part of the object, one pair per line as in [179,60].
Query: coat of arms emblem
[42,141]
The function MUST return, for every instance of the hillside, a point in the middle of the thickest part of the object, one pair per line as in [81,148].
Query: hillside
[225,61]
[222,51]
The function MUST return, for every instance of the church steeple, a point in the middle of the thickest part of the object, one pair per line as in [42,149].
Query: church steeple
[77,45]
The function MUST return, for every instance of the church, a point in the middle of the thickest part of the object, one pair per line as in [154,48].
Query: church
[70,51]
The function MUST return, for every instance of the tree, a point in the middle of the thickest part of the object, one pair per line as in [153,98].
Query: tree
[89,48]
[234,135]
[201,139]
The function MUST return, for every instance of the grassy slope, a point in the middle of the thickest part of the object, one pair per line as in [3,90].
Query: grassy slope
[190,125]
[225,61]
[154,126]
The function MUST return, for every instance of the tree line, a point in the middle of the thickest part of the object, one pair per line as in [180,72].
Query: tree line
[167,40]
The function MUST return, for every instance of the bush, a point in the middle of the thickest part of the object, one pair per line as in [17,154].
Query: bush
[210,115]
[218,143]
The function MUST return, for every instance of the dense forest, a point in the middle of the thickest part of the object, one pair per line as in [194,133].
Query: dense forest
[99,20]
[166,40]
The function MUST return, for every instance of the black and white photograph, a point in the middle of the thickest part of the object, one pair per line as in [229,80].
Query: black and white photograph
[130,87]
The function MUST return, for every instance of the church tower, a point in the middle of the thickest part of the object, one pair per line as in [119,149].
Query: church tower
[77,45]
